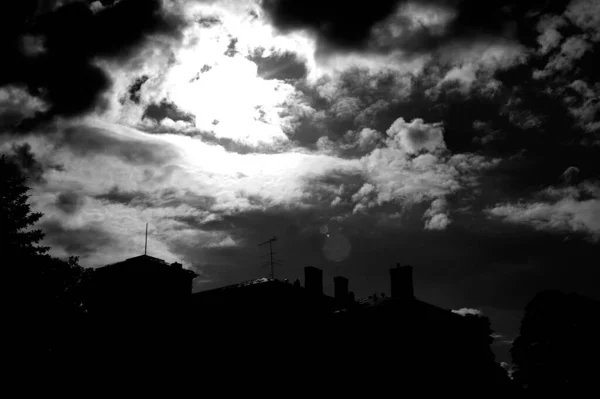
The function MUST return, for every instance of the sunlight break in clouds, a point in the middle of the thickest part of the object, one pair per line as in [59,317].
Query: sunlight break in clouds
[208,77]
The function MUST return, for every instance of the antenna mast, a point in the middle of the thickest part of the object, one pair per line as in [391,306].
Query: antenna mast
[146,244]
[271,253]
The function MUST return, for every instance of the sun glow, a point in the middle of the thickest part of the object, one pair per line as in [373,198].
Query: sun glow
[213,79]
[232,101]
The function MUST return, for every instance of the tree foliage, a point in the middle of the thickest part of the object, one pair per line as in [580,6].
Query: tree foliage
[47,292]
[16,218]
[558,347]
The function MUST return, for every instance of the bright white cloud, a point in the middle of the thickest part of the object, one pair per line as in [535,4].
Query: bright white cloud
[223,93]
[436,216]
[415,167]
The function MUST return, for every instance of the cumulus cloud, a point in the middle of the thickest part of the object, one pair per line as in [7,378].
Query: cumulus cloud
[581,15]
[437,218]
[30,165]
[565,210]
[367,138]
[16,104]
[571,50]
[550,37]
[414,166]
[585,105]
[586,15]
[474,66]
[365,198]
[410,18]
[349,100]
[416,136]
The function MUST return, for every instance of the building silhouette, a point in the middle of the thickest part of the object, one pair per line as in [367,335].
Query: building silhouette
[136,310]
[289,335]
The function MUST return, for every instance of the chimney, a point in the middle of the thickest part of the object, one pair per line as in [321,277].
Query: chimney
[177,265]
[313,280]
[402,282]
[340,289]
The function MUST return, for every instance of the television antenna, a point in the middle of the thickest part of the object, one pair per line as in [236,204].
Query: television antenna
[146,243]
[272,261]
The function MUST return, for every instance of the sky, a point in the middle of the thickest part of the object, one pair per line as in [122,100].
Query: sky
[459,137]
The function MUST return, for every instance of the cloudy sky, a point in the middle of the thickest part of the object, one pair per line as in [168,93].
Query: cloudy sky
[460,137]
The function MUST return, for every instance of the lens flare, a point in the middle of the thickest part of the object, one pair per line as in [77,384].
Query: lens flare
[336,247]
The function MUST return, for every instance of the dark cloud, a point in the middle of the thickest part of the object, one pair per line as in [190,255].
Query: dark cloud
[167,198]
[86,140]
[166,109]
[124,197]
[284,66]
[340,26]
[349,28]
[135,88]
[358,99]
[210,138]
[231,47]
[70,202]
[31,168]
[80,241]
[176,198]
[61,70]
[209,21]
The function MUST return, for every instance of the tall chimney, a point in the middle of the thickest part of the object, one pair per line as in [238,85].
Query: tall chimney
[402,282]
[340,289]
[313,280]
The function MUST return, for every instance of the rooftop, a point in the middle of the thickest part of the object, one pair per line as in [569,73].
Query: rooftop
[148,263]
[140,258]
[257,281]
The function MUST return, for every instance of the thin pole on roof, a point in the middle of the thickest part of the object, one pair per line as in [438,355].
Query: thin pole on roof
[272,263]
[146,244]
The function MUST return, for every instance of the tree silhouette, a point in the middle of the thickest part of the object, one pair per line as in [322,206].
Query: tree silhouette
[558,348]
[16,216]
[47,297]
